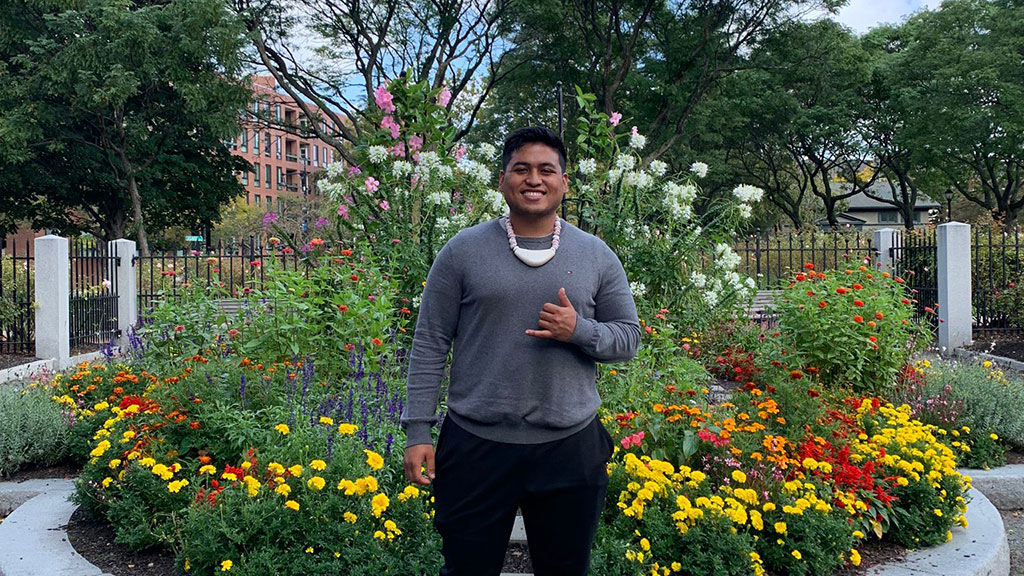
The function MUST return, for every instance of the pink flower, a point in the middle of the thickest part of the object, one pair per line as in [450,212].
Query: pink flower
[615,118]
[388,123]
[634,131]
[372,184]
[398,150]
[632,440]
[415,142]
[460,153]
[384,205]
[384,99]
[343,211]
[444,97]
[354,171]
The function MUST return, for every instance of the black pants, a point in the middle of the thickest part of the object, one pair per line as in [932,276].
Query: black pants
[559,486]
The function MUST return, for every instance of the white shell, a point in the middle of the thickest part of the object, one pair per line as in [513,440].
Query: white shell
[534,258]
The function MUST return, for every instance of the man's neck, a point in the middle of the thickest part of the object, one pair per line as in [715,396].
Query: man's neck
[533,227]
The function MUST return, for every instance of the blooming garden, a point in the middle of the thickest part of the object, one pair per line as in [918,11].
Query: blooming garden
[267,440]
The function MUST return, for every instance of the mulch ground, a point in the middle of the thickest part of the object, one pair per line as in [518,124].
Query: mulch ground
[61,470]
[94,540]
[1011,347]
[11,360]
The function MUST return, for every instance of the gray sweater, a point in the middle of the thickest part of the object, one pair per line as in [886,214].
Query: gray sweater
[506,386]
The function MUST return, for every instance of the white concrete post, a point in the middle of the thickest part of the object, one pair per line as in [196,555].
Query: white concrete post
[954,276]
[127,288]
[53,291]
[882,241]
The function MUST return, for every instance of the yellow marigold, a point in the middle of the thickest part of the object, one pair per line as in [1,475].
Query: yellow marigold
[854,557]
[380,535]
[295,470]
[207,469]
[282,429]
[252,486]
[374,460]
[350,517]
[176,486]
[347,428]
[292,504]
[645,544]
[275,468]
[739,476]
[780,527]
[283,489]
[114,463]
[796,554]
[226,565]
[316,483]
[379,503]
[327,420]
[319,465]
[106,482]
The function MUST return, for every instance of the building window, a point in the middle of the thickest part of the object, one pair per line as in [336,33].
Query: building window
[245,140]
[256,142]
[277,147]
[245,177]
[316,155]
[256,177]
[888,217]
[277,111]
[266,180]
[267,143]
[280,177]
[270,202]
[325,156]
[255,106]
[256,200]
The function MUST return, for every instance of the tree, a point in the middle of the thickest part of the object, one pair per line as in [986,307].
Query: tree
[137,95]
[958,77]
[362,44]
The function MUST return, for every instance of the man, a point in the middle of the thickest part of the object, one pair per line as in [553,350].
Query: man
[530,303]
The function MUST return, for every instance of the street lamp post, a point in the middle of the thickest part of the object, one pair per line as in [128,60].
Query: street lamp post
[949,204]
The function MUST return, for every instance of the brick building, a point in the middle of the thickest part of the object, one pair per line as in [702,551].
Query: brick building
[282,163]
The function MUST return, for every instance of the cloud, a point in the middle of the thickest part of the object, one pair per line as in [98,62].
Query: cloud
[862,15]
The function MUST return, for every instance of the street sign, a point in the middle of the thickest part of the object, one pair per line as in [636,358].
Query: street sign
[193,238]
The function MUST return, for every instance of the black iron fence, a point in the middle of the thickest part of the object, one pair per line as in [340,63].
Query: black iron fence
[914,257]
[92,306]
[230,270]
[997,294]
[17,298]
[772,260]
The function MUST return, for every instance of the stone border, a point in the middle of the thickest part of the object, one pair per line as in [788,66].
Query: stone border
[33,539]
[997,360]
[30,369]
[36,530]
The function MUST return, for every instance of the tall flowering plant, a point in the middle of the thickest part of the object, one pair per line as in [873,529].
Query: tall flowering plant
[413,186]
[674,257]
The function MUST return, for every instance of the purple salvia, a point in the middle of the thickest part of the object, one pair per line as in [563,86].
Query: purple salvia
[241,390]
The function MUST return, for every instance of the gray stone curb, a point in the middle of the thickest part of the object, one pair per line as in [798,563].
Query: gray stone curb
[34,368]
[32,539]
[1003,486]
[997,360]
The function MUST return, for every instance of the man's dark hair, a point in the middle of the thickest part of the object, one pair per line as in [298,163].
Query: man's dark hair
[532,135]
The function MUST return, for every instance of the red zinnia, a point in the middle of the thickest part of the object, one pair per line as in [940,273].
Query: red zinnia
[342,308]
[879,315]
[377,341]
[822,304]
[809,266]
[840,290]
[354,278]
[796,374]
[800,277]
[858,319]
[858,303]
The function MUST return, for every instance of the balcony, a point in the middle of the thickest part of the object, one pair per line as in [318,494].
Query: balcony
[291,157]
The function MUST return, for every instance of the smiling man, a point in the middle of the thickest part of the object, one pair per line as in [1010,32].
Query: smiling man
[528,303]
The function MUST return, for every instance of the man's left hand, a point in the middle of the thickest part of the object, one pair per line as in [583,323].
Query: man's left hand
[556,322]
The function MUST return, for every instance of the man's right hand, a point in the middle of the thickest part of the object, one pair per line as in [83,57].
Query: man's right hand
[415,458]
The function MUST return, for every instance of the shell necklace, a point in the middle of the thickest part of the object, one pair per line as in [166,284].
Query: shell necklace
[533,258]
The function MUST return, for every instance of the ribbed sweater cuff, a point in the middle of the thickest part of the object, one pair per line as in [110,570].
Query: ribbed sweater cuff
[417,433]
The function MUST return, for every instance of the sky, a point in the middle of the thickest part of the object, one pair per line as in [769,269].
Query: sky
[862,15]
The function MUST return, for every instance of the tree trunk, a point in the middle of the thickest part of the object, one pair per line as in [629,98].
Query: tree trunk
[133,189]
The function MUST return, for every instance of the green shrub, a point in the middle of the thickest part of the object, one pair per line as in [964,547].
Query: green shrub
[853,327]
[33,430]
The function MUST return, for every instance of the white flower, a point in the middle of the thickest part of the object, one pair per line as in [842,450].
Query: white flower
[494,200]
[658,168]
[638,289]
[699,168]
[749,283]
[711,298]
[725,257]
[331,189]
[482,173]
[624,162]
[400,168]
[588,166]
[335,169]
[487,152]
[636,140]
[614,175]
[377,154]
[698,280]
[444,171]
[438,198]
[747,193]
[429,159]
[641,180]
[745,210]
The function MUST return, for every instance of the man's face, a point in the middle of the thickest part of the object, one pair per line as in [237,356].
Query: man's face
[533,183]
